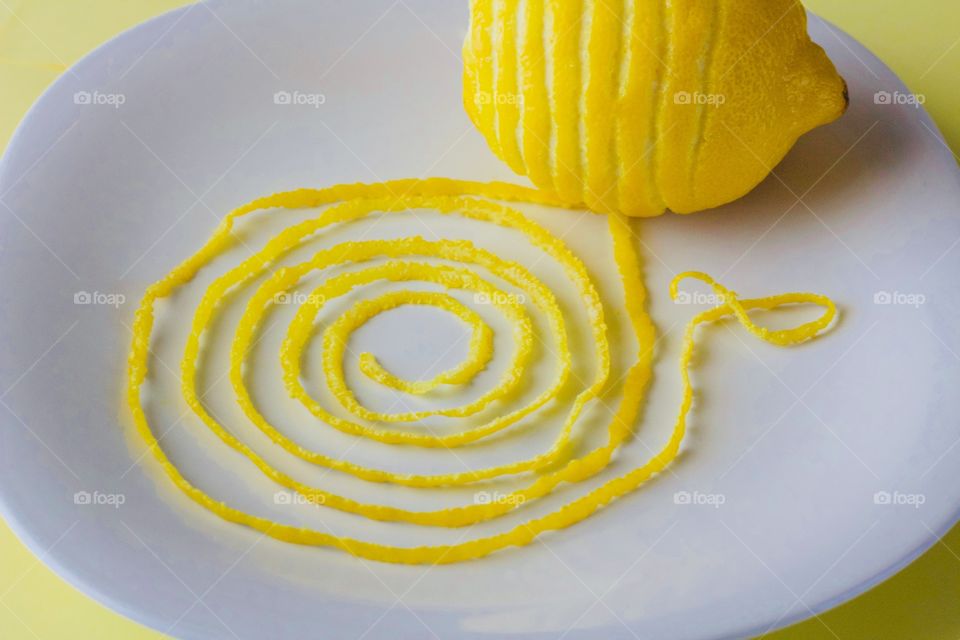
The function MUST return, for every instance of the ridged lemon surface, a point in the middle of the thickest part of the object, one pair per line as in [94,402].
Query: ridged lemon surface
[638,106]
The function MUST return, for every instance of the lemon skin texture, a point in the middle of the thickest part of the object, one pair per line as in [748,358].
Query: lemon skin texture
[640,106]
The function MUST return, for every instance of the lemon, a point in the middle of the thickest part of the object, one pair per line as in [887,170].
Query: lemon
[639,106]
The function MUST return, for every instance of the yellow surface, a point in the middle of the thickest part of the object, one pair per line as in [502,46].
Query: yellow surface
[654,118]
[920,40]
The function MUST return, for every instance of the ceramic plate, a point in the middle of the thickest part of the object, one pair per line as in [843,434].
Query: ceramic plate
[810,473]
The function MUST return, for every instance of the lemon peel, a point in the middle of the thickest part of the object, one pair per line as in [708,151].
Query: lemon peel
[451,197]
[479,353]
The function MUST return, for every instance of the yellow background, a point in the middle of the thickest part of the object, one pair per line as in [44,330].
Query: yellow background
[919,39]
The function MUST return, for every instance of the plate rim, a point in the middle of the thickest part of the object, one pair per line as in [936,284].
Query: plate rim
[143,617]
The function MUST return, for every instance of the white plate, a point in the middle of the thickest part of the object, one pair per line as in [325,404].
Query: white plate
[104,198]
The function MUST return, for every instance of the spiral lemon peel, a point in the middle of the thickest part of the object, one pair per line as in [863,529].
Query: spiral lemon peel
[336,337]
[452,197]
[479,354]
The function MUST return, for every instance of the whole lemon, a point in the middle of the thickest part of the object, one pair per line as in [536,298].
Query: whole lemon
[638,106]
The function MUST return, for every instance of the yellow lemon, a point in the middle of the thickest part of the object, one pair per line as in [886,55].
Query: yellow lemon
[638,106]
